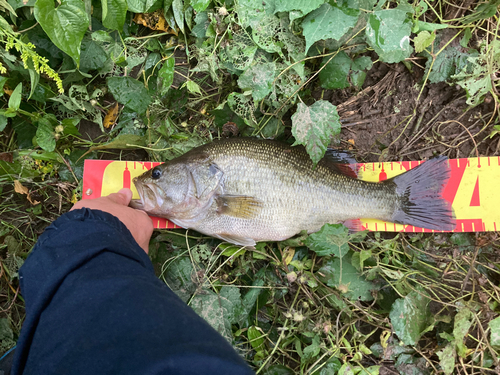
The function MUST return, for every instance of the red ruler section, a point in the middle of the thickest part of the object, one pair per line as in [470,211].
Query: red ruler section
[471,189]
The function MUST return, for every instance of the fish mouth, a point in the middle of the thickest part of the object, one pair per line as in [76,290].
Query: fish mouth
[149,198]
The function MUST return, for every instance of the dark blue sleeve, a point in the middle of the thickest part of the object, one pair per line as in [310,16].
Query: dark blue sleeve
[95,306]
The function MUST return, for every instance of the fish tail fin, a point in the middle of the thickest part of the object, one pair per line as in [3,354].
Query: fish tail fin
[421,196]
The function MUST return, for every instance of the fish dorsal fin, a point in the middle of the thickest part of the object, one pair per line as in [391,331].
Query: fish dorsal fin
[240,206]
[237,240]
[341,162]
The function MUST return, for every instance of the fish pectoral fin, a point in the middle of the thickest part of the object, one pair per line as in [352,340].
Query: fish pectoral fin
[237,240]
[240,206]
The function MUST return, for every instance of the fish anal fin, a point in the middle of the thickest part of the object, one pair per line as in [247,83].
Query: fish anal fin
[239,206]
[237,240]
[354,225]
[342,162]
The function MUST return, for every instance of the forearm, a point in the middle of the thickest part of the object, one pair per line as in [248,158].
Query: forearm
[92,299]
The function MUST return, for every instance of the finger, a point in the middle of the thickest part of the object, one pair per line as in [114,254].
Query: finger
[123,197]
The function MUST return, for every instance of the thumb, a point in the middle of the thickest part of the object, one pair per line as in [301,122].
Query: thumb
[123,197]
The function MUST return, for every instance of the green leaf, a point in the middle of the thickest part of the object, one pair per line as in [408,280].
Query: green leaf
[3,80]
[339,273]
[426,26]
[314,127]
[478,82]
[448,63]
[494,331]
[144,6]
[45,135]
[200,5]
[331,239]
[166,75]
[122,141]
[256,337]
[130,92]
[279,370]
[15,97]
[334,75]
[92,56]
[388,33]
[113,13]
[259,79]
[65,25]
[178,9]
[410,316]
[34,79]
[3,123]
[423,40]
[447,358]
[251,12]
[304,6]
[193,87]
[328,22]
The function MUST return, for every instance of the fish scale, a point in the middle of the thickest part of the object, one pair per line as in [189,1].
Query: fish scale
[289,192]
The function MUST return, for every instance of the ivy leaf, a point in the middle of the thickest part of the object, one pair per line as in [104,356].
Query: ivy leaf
[340,273]
[166,75]
[331,239]
[328,22]
[410,316]
[130,92]
[15,97]
[113,13]
[314,126]
[259,79]
[423,40]
[45,135]
[388,33]
[65,25]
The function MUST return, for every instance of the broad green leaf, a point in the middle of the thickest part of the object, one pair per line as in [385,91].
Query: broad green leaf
[65,25]
[328,22]
[410,316]
[339,273]
[388,33]
[447,358]
[358,70]
[178,9]
[3,80]
[144,6]
[34,79]
[200,5]
[113,14]
[3,123]
[259,79]
[92,56]
[15,97]
[251,12]
[45,135]
[331,239]
[462,324]
[426,26]
[448,63]
[314,127]
[304,6]
[130,92]
[494,331]
[166,75]
[335,74]
[477,83]
[423,40]
[179,277]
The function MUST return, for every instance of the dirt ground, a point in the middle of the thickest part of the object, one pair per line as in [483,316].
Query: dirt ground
[385,122]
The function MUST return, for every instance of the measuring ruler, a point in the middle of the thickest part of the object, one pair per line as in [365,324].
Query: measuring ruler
[472,189]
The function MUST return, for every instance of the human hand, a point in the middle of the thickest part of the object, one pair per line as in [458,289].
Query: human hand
[136,221]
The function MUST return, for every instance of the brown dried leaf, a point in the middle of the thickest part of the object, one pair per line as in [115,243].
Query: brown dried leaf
[6,156]
[32,201]
[154,21]
[111,116]
[19,188]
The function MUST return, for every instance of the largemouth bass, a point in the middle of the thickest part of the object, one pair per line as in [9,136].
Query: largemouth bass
[245,190]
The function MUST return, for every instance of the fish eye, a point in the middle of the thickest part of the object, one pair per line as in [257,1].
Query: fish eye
[156,173]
